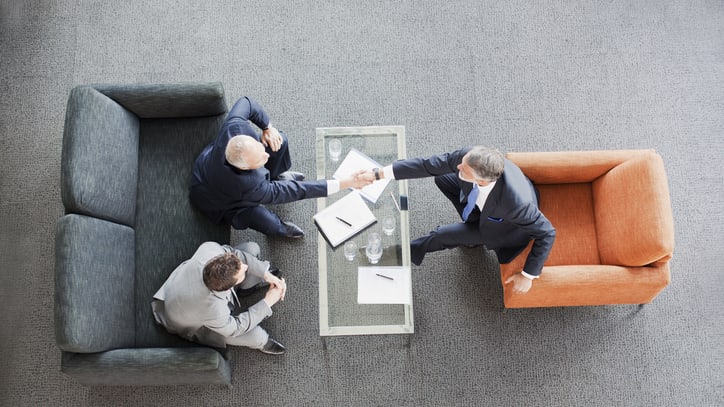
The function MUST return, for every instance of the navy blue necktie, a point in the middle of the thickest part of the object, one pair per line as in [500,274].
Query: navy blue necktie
[472,198]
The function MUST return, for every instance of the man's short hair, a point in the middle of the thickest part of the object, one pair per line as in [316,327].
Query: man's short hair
[220,272]
[235,151]
[487,163]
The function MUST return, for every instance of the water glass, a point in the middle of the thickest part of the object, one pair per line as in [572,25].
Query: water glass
[374,248]
[335,149]
[350,250]
[388,225]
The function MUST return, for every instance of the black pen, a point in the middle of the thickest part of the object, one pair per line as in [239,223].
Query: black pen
[343,221]
[383,276]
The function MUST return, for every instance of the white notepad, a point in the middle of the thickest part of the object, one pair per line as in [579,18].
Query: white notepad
[384,285]
[344,219]
[355,161]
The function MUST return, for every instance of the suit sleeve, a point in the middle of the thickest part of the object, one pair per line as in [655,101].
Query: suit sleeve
[532,221]
[279,192]
[228,325]
[428,167]
[248,109]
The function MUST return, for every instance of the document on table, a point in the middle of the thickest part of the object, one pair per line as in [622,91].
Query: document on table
[355,161]
[344,219]
[384,285]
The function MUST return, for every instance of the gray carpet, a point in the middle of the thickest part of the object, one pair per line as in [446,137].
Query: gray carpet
[519,75]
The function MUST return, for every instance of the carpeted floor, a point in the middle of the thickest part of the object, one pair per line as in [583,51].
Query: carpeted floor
[518,75]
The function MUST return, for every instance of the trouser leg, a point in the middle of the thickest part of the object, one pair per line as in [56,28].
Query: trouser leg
[255,339]
[444,237]
[260,219]
[450,187]
[280,160]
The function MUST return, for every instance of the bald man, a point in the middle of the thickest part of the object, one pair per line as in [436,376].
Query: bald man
[242,170]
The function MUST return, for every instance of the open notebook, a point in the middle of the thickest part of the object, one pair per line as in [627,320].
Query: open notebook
[344,219]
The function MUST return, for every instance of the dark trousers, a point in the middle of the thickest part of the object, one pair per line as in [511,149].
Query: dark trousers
[448,236]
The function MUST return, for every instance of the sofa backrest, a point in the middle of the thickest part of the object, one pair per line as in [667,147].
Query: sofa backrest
[99,164]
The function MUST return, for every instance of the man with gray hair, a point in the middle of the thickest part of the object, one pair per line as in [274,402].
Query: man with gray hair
[498,206]
[241,171]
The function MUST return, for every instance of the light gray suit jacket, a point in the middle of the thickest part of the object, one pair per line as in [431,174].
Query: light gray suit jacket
[186,307]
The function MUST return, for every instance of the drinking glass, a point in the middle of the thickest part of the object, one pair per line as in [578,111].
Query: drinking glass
[388,225]
[374,248]
[350,250]
[335,149]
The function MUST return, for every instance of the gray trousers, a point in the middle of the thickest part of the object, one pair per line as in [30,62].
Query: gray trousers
[257,337]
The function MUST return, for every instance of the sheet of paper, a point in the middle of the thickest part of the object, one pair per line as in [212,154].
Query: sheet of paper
[384,285]
[355,161]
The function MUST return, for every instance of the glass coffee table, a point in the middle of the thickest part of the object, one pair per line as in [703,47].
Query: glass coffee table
[339,312]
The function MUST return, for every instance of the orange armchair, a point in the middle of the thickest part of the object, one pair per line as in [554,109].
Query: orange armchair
[614,228]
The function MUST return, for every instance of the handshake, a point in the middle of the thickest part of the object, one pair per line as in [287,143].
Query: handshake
[360,179]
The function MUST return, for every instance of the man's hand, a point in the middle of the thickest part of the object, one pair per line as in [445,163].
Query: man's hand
[521,283]
[357,180]
[367,175]
[276,281]
[271,138]
[274,294]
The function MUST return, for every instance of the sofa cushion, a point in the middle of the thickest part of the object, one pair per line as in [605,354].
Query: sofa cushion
[168,228]
[633,212]
[100,157]
[94,280]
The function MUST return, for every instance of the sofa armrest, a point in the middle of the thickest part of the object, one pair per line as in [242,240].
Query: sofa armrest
[148,367]
[170,100]
[632,208]
[94,285]
[570,167]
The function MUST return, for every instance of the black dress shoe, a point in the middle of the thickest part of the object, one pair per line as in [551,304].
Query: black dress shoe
[291,176]
[293,231]
[273,347]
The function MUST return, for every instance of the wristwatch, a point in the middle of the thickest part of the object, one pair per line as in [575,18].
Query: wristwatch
[377,173]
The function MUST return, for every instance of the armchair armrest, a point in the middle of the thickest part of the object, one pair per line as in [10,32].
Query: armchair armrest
[166,101]
[570,167]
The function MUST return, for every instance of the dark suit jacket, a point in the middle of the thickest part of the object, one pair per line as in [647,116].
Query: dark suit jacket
[510,217]
[219,189]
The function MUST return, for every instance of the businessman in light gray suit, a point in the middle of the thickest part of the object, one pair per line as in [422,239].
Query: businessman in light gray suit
[199,300]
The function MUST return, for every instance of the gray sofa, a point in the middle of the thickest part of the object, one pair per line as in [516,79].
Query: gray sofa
[127,156]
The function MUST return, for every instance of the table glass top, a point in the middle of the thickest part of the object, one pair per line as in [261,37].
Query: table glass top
[339,312]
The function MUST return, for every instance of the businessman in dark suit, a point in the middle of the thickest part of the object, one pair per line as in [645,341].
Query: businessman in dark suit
[241,171]
[497,203]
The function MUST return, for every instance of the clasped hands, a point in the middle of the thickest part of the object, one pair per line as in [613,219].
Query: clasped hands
[358,180]
[277,288]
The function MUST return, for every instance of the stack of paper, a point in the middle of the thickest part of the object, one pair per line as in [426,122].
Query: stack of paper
[355,161]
